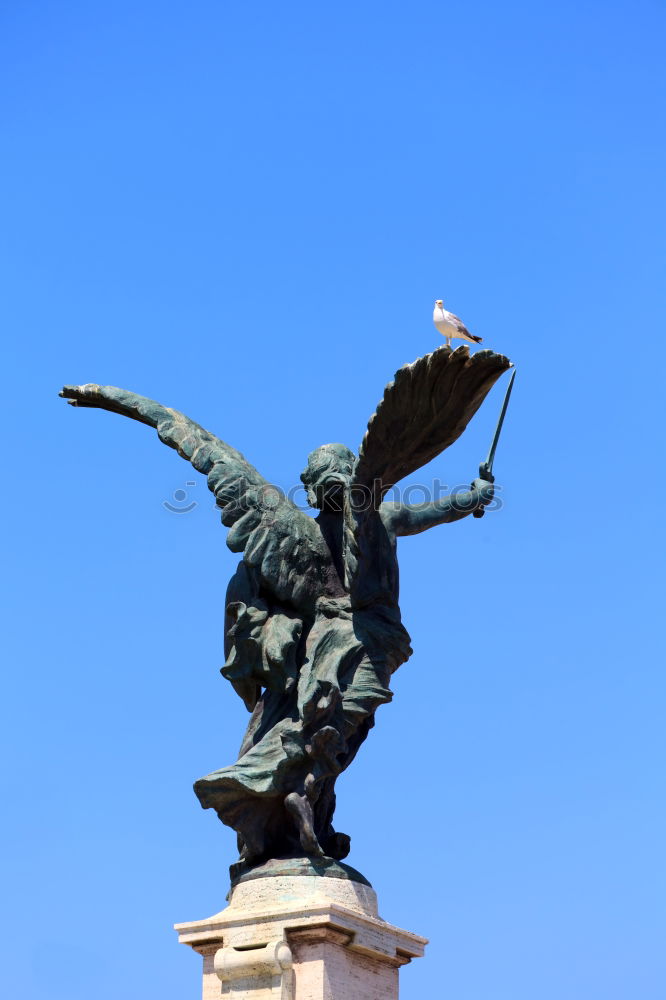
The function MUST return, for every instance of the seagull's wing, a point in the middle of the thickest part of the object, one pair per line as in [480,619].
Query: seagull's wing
[457,322]
[277,540]
[423,411]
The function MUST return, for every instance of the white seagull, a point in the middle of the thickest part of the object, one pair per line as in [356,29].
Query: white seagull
[450,326]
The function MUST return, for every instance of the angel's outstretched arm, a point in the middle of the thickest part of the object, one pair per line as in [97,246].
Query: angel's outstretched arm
[207,453]
[412,519]
[230,475]
[277,540]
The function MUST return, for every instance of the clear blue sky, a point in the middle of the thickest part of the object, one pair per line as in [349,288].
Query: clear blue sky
[245,211]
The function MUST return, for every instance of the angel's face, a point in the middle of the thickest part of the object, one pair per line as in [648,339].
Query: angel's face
[328,474]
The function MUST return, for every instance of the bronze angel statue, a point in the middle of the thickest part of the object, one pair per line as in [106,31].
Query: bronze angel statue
[312,629]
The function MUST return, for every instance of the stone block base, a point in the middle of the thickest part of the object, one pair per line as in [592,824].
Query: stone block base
[300,937]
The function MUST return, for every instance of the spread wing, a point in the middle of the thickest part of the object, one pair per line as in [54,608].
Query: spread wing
[423,411]
[281,542]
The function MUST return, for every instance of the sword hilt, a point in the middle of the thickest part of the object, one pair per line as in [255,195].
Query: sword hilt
[485,473]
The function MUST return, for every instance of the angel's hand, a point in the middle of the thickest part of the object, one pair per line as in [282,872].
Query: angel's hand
[80,395]
[485,473]
[485,490]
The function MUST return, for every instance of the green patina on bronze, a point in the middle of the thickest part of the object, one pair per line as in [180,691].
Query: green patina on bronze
[313,630]
[323,867]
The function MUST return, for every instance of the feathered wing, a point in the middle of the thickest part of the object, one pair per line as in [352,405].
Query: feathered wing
[277,540]
[424,410]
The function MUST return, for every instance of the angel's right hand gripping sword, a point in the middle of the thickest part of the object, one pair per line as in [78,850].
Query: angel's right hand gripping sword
[486,468]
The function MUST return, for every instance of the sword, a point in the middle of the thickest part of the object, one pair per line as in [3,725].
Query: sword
[486,468]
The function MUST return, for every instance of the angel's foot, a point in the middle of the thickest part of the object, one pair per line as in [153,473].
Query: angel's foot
[301,811]
[338,845]
[251,846]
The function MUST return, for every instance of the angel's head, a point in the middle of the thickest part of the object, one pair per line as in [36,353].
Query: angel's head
[329,471]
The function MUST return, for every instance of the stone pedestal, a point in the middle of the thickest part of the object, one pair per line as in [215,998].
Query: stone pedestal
[300,937]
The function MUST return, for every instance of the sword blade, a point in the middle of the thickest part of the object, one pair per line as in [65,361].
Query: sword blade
[491,454]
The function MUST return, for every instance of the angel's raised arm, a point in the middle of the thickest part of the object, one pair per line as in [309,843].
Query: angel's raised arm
[230,475]
[276,539]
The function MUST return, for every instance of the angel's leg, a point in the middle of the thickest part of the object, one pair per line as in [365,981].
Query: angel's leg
[300,809]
